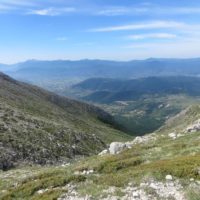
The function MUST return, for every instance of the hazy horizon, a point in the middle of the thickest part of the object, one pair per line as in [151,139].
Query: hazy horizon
[99,59]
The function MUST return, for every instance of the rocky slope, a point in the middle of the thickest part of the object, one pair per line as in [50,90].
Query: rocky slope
[162,165]
[40,127]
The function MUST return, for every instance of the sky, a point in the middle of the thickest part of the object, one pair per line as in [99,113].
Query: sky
[98,29]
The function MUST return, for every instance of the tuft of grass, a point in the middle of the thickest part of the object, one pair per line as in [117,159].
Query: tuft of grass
[28,188]
[193,195]
[49,195]
[112,166]
[180,167]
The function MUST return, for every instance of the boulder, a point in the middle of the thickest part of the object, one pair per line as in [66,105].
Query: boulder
[129,145]
[104,152]
[169,178]
[194,128]
[116,147]
[144,139]
[138,140]
[172,135]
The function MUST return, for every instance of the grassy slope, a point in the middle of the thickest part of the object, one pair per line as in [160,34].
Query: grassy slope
[156,159]
[41,127]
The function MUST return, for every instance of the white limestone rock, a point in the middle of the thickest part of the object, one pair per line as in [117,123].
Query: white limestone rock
[172,135]
[116,147]
[194,127]
[42,191]
[169,178]
[104,152]
[144,139]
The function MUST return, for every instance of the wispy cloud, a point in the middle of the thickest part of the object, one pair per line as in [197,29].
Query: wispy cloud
[140,26]
[147,9]
[52,11]
[152,36]
[17,2]
[7,6]
[85,44]
[4,8]
[181,48]
[50,7]
[116,11]
[61,38]
[37,7]
[175,10]
[187,44]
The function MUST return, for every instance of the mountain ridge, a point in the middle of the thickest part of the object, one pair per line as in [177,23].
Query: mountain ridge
[112,89]
[109,68]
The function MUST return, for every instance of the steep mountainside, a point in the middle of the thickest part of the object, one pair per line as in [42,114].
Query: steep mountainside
[40,127]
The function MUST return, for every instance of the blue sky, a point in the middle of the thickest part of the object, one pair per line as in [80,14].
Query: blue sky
[98,29]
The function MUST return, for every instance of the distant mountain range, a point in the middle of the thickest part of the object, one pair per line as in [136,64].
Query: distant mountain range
[64,71]
[103,90]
